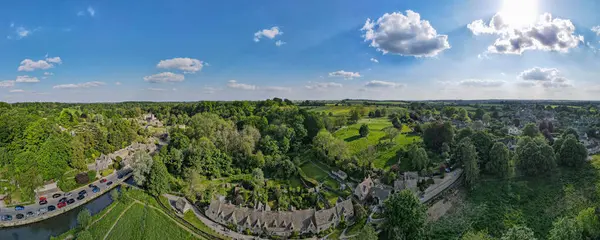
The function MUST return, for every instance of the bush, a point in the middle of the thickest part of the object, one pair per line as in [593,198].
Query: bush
[91,175]
[106,172]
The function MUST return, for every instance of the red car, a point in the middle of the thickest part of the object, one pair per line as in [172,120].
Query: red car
[61,204]
[43,199]
[102,180]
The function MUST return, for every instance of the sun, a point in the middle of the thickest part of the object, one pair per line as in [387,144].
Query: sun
[519,13]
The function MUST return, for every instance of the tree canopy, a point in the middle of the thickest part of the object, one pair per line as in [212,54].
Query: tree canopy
[404,217]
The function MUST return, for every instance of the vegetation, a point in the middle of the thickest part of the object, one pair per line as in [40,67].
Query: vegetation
[404,217]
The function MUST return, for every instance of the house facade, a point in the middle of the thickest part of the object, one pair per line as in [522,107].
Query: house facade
[281,223]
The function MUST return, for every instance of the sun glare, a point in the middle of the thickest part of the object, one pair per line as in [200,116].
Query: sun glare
[519,13]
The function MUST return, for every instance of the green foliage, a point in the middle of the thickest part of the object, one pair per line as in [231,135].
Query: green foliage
[499,160]
[115,195]
[463,133]
[142,163]
[364,130]
[84,235]
[531,130]
[158,179]
[483,143]
[565,229]
[468,155]
[330,148]
[534,156]
[404,217]
[436,134]
[367,233]
[572,153]
[84,218]
[590,225]
[418,158]
[518,233]
[480,235]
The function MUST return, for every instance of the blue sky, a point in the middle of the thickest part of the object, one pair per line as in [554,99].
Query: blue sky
[109,50]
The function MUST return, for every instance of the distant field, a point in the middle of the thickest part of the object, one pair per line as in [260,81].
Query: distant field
[345,110]
[357,144]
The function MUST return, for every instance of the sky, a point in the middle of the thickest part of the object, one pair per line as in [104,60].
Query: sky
[191,50]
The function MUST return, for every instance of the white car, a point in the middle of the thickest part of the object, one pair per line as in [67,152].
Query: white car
[42,211]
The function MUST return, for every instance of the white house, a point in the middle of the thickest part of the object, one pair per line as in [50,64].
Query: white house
[515,131]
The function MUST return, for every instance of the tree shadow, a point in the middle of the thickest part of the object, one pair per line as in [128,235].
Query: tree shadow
[353,138]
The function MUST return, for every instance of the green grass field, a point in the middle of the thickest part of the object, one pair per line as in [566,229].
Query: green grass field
[99,229]
[356,144]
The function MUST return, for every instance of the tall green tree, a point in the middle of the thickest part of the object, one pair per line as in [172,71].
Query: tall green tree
[572,153]
[499,160]
[418,158]
[565,229]
[84,235]
[142,163]
[468,156]
[367,233]
[405,217]
[436,134]
[480,235]
[530,130]
[589,222]
[519,233]
[158,179]
[84,218]
[364,130]
[534,156]
[483,143]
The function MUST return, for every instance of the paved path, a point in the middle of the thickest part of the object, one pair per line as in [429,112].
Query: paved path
[35,208]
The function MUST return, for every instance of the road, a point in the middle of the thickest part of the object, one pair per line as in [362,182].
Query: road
[54,201]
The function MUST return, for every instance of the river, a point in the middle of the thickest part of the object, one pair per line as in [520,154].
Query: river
[56,225]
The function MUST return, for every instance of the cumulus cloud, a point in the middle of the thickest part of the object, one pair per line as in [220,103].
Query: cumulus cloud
[545,77]
[546,34]
[26,79]
[267,33]
[91,11]
[188,65]
[277,89]
[323,86]
[79,85]
[279,43]
[16,91]
[405,35]
[383,84]
[20,32]
[596,29]
[48,73]
[374,60]
[344,74]
[118,83]
[236,85]
[164,77]
[481,83]
[7,84]
[29,65]
[157,89]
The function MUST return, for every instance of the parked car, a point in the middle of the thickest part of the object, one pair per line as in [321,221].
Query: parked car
[61,204]
[109,183]
[42,198]
[62,200]
[19,208]
[68,194]
[6,218]
[51,208]
[30,214]
[80,197]
[20,216]
[70,201]
[82,192]
[103,180]
[43,202]
[96,189]
[91,185]
[56,195]
[42,210]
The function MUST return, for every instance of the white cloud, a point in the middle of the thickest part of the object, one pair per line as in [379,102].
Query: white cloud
[16,91]
[22,32]
[79,85]
[383,84]
[278,89]
[118,83]
[405,35]
[7,84]
[26,79]
[546,34]
[374,60]
[29,65]
[91,11]
[481,83]
[268,33]
[188,65]
[323,86]
[48,73]
[164,77]
[157,89]
[236,85]
[279,43]
[209,90]
[344,74]
[545,77]
[596,29]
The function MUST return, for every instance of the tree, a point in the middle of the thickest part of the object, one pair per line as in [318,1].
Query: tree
[486,118]
[479,114]
[84,219]
[589,222]
[354,115]
[436,134]
[468,156]
[114,195]
[418,158]
[499,159]
[483,143]
[565,229]
[142,163]
[396,123]
[518,233]
[77,160]
[546,133]
[534,156]
[405,217]
[158,179]
[359,211]
[481,235]
[364,130]
[570,131]
[258,177]
[463,133]
[572,153]
[390,133]
[530,130]
[367,233]
[84,235]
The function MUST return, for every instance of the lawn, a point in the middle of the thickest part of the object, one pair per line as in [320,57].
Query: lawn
[384,157]
[99,229]
[313,171]
[140,222]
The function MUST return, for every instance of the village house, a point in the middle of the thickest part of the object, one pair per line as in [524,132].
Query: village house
[340,174]
[281,223]
[408,181]
[515,131]
[362,190]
